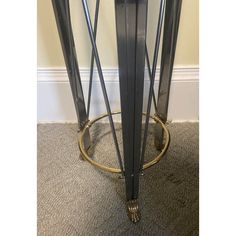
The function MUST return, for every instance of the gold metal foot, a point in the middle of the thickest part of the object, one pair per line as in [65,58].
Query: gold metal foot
[81,157]
[121,177]
[159,146]
[87,146]
[133,211]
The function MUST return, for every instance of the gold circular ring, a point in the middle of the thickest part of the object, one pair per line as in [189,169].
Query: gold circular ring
[117,170]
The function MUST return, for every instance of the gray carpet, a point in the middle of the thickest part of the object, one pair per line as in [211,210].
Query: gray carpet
[74,198]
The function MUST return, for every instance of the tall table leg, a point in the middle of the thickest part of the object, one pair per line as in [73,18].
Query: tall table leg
[131,24]
[171,25]
[62,15]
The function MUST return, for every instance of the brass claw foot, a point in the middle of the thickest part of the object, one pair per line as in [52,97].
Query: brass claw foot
[159,146]
[133,211]
[87,146]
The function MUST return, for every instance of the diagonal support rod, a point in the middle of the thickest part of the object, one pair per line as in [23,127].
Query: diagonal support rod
[150,76]
[157,44]
[92,57]
[95,51]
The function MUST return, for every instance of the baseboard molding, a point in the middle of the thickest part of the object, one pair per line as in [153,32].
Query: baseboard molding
[55,102]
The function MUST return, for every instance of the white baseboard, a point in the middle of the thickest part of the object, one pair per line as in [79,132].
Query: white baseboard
[55,102]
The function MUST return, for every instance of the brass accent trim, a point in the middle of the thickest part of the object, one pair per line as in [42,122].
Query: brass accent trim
[117,170]
[133,211]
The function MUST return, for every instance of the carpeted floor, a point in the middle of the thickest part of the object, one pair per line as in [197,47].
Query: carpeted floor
[74,198]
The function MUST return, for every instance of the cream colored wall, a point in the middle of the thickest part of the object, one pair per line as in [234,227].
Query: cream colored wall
[49,50]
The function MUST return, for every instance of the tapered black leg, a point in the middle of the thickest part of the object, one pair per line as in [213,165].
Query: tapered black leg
[171,25]
[92,56]
[131,23]
[62,15]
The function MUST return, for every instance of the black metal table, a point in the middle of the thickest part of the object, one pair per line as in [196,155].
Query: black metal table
[131,26]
